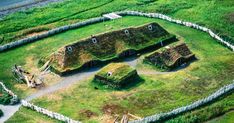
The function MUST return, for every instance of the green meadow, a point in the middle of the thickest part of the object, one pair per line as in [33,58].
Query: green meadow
[159,92]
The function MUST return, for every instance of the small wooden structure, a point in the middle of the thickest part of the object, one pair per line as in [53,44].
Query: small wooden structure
[22,76]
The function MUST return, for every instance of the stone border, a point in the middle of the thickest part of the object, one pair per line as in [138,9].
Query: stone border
[163,116]
[101,19]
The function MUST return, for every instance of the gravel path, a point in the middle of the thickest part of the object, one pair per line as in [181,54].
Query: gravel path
[65,82]
[8,111]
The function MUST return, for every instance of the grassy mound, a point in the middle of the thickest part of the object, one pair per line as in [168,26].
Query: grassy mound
[170,57]
[108,46]
[116,75]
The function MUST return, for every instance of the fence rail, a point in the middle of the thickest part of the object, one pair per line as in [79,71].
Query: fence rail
[154,118]
[44,111]
[14,99]
[50,114]
[163,116]
[50,33]
[101,19]
[181,22]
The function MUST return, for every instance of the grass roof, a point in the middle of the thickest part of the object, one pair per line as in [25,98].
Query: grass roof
[116,72]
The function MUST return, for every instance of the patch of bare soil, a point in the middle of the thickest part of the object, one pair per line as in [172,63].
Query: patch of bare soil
[112,109]
[87,113]
[230,17]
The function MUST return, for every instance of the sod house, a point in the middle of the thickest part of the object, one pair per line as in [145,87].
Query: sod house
[171,57]
[116,75]
[108,46]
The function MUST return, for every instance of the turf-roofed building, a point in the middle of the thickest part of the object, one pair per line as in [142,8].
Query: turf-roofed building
[171,56]
[116,75]
[108,46]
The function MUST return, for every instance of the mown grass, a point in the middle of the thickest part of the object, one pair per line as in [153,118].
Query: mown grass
[159,92]
[215,14]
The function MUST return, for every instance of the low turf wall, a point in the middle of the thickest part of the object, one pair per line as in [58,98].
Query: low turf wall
[164,116]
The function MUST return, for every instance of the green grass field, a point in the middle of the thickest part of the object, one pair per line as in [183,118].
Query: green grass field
[159,92]
[218,15]
[43,48]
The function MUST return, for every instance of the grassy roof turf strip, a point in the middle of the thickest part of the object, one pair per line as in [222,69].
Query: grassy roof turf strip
[170,57]
[116,75]
[108,46]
